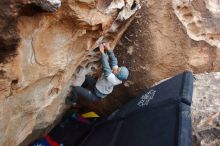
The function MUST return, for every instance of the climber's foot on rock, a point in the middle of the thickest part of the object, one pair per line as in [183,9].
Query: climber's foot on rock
[71,101]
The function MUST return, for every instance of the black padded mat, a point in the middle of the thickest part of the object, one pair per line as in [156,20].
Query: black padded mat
[160,116]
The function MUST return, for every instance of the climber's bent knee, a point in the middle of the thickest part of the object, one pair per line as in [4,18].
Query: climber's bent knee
[85,93]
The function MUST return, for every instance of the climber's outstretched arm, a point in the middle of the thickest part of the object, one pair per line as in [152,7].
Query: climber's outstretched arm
[105,64]
[113,59]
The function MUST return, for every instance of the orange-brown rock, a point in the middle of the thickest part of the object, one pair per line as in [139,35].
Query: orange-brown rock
[41,51]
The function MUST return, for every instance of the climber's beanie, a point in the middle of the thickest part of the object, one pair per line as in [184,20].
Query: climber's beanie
[123,73]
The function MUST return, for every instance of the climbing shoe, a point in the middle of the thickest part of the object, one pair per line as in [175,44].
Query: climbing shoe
[70,101]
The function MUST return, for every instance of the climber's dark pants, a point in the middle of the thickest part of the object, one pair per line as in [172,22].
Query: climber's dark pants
[79,91]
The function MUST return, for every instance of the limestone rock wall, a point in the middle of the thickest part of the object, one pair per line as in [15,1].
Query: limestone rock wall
[43,47]
[200,18]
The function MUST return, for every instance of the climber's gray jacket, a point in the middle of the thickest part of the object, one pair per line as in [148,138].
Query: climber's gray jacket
[108,80]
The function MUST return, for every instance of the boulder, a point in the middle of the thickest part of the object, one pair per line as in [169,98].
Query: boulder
[43,45]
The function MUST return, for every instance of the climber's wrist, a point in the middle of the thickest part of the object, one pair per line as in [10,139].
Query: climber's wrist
[110,50]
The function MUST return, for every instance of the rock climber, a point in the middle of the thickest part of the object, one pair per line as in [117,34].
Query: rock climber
[112,75]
